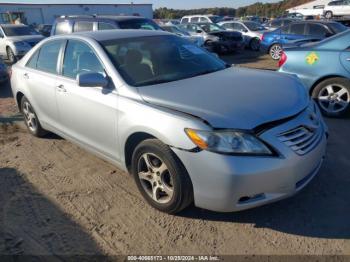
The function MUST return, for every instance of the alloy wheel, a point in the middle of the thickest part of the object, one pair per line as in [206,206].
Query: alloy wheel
[30,117]
[155,178]
[276,52]
[334,98]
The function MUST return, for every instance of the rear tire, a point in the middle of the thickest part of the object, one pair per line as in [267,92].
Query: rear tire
[11,55]
[328,15]
[276,51]
[333,96]
[30,119]
[254,44]
[161,177]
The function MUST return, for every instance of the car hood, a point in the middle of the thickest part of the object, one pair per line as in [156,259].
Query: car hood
[26,38]
[232,98]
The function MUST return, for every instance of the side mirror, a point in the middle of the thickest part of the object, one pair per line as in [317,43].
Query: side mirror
[199,31]
[92,79]
[245,30]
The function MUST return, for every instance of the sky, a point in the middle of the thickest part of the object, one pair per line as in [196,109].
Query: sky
[177,4]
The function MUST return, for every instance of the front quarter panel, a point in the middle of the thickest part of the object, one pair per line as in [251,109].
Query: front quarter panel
[136,116]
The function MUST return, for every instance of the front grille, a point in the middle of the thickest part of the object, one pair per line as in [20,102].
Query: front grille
[302,139]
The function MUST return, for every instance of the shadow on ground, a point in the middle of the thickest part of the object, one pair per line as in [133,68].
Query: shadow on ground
[34,224]
[321,210]
[5,90]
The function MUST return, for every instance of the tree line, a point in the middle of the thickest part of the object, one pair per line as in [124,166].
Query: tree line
[259,9]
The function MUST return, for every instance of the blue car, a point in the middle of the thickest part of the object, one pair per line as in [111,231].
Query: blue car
[272,42]
[324,68]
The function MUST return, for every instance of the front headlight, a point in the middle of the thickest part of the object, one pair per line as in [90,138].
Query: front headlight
[228,142]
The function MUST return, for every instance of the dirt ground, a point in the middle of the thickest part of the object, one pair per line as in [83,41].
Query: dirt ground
[56,199]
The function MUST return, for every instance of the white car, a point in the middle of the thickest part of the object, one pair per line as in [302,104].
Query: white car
[200,19]
[251,31]
[17,40]
[337,8]
[197,40]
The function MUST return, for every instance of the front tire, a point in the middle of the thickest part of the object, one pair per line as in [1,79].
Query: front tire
[161,177]
[11,55]
[30,119]
[333,96]
[276,51]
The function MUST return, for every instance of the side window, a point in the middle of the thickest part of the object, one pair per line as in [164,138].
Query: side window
[194,19]
[185,20]
[105,26]
[317,30]
[62,28]
[79,58]
[297,29]
[285,29]
[204,19]
[33,60]
[48,56]
[239,27]
[83,26]
[1,34]
[228,26]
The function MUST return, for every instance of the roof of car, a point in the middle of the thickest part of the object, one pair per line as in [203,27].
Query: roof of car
[101,17]
[105,35]
[314,22]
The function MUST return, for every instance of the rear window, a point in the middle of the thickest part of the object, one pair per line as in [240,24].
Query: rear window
[337,27]
[317,30]
[297,29]
[83,26]
[62,28]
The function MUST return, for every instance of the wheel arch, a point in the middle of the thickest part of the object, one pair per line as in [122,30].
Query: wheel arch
[320,80]
[131,143]
[19,97]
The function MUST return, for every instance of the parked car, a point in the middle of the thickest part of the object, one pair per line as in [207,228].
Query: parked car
[3,72]
[337,8]
[17,40]
[200,19]
[272,42]
[198,40]
[186,126]
[324,68]
[44,29]
[71,24]
[251,31]
[277,23]
[216,38]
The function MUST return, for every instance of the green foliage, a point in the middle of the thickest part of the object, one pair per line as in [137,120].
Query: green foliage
[260,9]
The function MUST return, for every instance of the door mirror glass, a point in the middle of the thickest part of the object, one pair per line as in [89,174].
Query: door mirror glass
[92,79]
[199,31]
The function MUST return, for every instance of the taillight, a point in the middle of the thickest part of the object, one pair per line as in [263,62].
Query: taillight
[262,37]
[283,59]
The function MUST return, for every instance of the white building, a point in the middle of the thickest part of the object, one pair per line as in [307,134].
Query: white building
[312,8]
[43,13]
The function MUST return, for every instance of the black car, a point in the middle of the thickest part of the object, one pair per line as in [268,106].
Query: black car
[71,24]
[216,38]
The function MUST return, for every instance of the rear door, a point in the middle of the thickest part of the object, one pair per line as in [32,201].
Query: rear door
[87,114]
[39,77]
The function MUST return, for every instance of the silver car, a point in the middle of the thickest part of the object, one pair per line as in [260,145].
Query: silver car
[17,40]
[187,126]
[252,31]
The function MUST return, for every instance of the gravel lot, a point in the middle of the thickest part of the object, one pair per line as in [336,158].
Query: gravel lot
[58,199]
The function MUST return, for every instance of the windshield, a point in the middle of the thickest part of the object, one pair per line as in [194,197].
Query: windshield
[215,19]
[175,30]
[153,60]
[338,27]
[139,24]
[209,28]
[19,31]
[253,26]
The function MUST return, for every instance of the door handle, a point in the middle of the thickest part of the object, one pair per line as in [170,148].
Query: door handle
[26,76]
[61,88]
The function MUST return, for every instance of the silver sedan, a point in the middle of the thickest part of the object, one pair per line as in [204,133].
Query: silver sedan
[188,127]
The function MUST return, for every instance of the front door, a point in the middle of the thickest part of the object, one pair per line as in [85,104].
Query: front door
[87,114]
